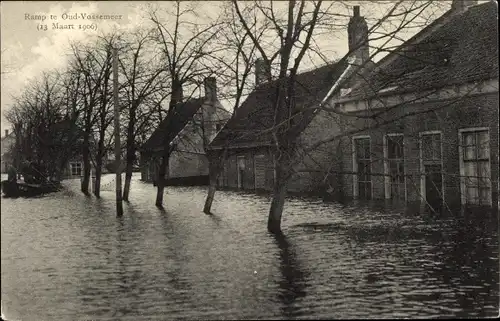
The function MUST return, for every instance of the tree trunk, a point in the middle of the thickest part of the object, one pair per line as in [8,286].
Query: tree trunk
[278,203]
[160,183]
[86,167]
[130,152]
[98,174]
[128,179]
[214,172]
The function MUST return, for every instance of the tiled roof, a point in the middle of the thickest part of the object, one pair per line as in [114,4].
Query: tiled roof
[256,114]
[175,121]
[464,49]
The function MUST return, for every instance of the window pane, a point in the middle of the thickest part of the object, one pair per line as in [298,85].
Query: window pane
[394,146]
[472,195]
[484,174]
[361,168]
[362,146]
[241,162]
[359,148]
[436,146]
[469,146]
[470,174]
[484,195]
[367,148]
[483,145]
[426,142]
[367,167]
[364,189]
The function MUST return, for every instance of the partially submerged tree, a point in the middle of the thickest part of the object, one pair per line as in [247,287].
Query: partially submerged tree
[233,65]
[184,44]
[42,126]
[93,63]
[143,76]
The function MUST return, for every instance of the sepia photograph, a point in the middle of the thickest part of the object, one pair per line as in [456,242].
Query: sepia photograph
[249,160]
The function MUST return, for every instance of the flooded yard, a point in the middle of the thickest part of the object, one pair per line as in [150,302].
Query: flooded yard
[68,257]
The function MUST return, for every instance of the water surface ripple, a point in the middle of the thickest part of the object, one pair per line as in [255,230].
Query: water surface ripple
[68,257]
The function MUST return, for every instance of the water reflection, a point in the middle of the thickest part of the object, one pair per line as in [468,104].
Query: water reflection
[292,284]
[68,257]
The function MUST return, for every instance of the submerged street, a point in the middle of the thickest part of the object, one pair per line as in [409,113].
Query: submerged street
[68,257]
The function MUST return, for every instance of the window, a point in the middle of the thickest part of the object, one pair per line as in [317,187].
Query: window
[395,173]
[431,147]
[362,181]
[475,167]
[76,169]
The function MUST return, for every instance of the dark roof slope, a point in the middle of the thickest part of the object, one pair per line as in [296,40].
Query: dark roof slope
[256,114]
[175,121]
[464,49]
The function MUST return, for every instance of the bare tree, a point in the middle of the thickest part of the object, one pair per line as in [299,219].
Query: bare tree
[294,32]
[41,126]
[142,72]
[289,40]
[95,70]
[184,45]
[234,66]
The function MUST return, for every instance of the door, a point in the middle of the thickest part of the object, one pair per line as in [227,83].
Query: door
[260,172]
[433,186]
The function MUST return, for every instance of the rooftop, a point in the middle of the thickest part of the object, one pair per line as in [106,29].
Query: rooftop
[462,50]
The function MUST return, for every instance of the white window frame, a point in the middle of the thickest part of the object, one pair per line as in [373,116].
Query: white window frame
[463,195]
[255,169]
[240,183]
[422,169]
[387,178]
[355,191]
[71,168]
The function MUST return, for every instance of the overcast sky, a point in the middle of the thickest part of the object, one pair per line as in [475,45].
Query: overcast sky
[26,51]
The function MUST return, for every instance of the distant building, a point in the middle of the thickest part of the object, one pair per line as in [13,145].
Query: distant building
[188,128]
[7,143]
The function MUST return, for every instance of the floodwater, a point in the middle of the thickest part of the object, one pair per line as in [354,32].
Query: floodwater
[68,257]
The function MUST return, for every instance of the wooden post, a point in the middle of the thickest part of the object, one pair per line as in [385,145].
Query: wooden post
[119,204]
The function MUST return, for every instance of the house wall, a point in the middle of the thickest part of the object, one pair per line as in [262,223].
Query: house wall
[67,173]
[446,116]
[229,175]
[188,159]
[185,164]
[320,167]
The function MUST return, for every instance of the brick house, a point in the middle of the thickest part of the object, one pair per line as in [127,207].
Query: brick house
[423,126]
[248,147]
[190,126]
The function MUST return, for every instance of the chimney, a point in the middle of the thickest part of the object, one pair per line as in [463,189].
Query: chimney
[210,88]
[357,31]
[262,72]
[6,132]
[462,5]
